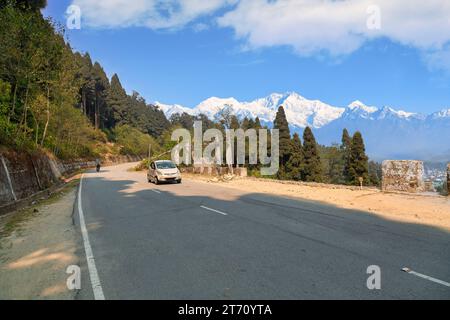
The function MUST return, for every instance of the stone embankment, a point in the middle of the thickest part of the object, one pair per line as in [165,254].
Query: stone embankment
[23,175]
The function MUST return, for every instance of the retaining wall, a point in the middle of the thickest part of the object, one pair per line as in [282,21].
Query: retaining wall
[23,175]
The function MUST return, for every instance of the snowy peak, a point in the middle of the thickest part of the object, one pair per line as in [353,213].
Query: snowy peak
[443,114]
[214,104]
[388,112]
[300,111]
[361,107]
[358,109]
[169,110]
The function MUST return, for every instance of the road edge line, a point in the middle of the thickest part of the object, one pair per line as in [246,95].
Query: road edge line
[93,274]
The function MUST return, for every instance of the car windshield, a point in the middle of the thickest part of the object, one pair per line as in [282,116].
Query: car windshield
[165,165]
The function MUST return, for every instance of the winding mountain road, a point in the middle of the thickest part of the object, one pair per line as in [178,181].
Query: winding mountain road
[199,240]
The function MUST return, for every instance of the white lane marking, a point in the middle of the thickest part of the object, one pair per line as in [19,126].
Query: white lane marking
[157,191]
[407,270]
[214,210]
[95,280]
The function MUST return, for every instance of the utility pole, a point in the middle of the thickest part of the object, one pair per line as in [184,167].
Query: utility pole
[149,153]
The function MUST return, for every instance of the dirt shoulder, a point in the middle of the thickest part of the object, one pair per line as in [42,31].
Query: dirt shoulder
[427,210]
[37,244]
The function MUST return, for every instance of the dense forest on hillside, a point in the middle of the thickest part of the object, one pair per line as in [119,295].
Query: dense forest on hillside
[52,98]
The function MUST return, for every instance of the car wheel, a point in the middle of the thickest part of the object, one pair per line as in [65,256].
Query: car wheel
[156,181]
[178,181]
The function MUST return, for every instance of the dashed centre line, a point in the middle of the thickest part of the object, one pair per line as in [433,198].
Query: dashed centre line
[214,210]
[203,207]
[420,275]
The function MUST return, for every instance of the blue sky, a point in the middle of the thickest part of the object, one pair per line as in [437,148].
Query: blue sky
[193,56]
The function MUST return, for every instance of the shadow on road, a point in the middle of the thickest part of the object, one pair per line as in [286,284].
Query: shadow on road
[166,245]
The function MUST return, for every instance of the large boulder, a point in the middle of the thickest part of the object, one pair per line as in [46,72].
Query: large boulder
[403,176]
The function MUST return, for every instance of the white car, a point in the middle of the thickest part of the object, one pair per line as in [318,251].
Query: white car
[163,171]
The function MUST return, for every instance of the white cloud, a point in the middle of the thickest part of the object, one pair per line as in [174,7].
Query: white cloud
[339,27]
[310,27]
[439,59]
[113,13]
[155,14]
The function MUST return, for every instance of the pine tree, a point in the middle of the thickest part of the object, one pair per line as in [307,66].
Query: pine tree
[235,125]
[257,124]
[184,120]
[345,148]
[117,101]
[294,165]
[245,124]
[333,164]
[312,170]
[359,162]
[87,84]
[282,125]
[234,122]
[251,124]
[101,113]
[147,118]
[346,139]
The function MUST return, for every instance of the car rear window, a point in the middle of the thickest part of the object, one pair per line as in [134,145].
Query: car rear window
[165,165]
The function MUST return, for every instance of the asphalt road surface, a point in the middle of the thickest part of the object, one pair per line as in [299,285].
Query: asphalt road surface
[202,241]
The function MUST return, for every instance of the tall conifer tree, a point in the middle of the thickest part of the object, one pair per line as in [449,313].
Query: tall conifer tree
[282,125]
[294,165]
[345,148]
[359,162]
[312,170]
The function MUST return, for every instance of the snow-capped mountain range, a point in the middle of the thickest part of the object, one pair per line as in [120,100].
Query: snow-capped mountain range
[300,112]
[388,133]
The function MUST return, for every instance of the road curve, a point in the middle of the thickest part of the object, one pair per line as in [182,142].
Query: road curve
[203,241]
